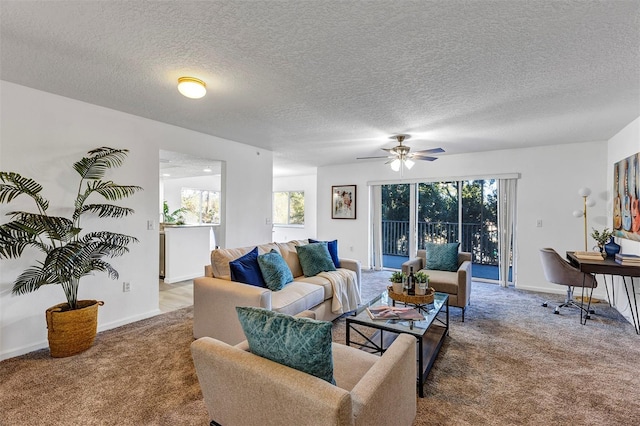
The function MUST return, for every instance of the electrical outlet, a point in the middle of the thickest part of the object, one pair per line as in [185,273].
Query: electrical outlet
[539,223]
[126,286]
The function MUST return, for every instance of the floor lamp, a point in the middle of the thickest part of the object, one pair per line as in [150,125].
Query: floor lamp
[587,202]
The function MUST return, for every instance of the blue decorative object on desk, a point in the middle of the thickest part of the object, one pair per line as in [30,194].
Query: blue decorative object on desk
[611,248]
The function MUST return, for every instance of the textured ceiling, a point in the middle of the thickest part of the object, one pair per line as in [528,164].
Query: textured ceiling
[325,82]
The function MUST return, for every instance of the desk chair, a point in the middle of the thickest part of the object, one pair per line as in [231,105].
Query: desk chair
[558,271]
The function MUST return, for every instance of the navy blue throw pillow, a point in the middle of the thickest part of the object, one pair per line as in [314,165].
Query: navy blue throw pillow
[333,250]
[246,269]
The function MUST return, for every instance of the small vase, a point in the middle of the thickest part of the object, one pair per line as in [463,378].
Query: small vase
[397,287]
[611,248]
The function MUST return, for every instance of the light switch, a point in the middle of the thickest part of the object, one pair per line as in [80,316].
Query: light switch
[539,223]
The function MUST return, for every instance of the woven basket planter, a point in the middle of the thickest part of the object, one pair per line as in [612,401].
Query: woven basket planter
[72,331]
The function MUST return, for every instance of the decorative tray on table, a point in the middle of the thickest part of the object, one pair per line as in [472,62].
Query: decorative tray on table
[418,299]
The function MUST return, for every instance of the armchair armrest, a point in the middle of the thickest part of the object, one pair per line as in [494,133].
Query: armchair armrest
[416,262]
[464,282]
[353,265]
[394,374]
[214,307]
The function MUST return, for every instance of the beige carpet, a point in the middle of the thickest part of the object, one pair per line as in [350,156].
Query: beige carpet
[510,362]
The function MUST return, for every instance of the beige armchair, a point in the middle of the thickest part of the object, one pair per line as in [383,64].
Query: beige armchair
[456,284]
[241,388]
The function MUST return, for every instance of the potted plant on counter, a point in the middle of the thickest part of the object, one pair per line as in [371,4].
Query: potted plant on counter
[68,253]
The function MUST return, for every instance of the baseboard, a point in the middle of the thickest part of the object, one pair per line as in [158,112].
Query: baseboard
[24,350]
[598,293]
[128,320]
[103,327]
[181,278]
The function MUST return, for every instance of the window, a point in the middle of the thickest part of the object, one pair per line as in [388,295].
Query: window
[202,205]
[288,208]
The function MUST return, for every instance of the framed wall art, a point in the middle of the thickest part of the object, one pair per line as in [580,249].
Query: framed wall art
[626,192]
[343,202]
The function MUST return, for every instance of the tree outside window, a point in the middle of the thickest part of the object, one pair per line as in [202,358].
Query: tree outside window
[288,208]
[202,205]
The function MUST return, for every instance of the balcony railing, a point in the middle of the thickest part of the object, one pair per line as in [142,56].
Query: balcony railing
[477,238]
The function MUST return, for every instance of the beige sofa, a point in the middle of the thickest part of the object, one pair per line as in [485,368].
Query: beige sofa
[240,388]
[215,296]
[456,284]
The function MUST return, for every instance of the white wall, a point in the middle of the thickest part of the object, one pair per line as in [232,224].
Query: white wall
[308,184]
[547,190]
[41,135]
[622,145]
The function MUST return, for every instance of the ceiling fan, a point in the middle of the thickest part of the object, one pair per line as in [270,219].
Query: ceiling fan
[400,156]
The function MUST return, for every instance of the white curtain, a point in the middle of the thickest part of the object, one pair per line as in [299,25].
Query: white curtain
[506,229]
[376,223]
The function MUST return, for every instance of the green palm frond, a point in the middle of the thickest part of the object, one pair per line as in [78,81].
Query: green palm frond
[32,279]
[102,266]
[13,241]
[109,243]
[14,185]
[112,191]
[99,161]
[56,227]
[107,210]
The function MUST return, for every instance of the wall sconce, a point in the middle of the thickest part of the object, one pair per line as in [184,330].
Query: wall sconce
[587,202]
[192,87]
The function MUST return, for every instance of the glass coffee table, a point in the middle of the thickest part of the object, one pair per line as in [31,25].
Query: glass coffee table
[429,333]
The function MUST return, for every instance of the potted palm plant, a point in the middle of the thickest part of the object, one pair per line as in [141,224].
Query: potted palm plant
[68,253]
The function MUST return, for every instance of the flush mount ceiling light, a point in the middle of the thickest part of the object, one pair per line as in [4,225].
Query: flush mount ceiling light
[192,87]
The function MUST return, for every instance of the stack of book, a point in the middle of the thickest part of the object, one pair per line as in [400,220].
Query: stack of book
[588,255]
[628,259]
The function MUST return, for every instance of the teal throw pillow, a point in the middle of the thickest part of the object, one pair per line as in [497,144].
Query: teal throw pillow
[275,271]
[333,250]
[442,257]
[315,258]
[300,343]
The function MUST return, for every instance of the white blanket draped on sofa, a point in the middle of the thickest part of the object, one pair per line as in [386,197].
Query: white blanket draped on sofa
[346,294]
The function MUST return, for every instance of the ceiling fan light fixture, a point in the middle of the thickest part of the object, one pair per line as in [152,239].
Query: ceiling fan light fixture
[409,163]
[395,165]
[192,87]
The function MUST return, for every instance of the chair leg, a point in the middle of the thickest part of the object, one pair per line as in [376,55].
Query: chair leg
[570,303]
[463,314]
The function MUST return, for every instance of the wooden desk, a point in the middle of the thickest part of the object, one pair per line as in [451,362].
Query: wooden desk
[609,266]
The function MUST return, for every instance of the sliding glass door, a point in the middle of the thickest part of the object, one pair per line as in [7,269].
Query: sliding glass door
[441,212]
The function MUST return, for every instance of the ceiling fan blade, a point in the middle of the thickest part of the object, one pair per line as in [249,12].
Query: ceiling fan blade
[389,150]
[430,151]
[368,158]
[422,157]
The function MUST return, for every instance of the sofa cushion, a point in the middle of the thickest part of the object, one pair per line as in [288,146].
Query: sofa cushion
[275,272]
[290,255]
[443,281]
[246,269]
[300,343]
[442,257]
[315,258]
[220,258]
[333,250]
[319,281]
[296,297]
